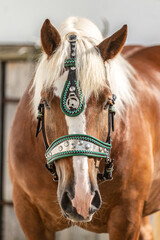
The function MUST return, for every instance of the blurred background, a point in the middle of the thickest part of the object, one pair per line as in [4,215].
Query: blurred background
[20,24]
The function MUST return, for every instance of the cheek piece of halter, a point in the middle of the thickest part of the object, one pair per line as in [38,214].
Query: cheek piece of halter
[72,104]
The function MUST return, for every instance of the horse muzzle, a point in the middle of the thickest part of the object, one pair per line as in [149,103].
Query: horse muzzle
[81,207]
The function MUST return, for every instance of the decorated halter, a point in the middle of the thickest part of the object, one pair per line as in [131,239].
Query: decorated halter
[72,104]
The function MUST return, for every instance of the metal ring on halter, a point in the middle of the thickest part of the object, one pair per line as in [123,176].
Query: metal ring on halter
[71,34]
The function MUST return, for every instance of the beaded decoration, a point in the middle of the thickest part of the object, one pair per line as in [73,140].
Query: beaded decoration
[72,102]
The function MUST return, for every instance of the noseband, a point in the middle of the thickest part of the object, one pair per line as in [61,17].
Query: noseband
[72,104]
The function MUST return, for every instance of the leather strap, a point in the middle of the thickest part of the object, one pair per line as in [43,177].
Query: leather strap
[40,125]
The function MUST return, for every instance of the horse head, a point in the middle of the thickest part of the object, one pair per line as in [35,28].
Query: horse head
[72,80]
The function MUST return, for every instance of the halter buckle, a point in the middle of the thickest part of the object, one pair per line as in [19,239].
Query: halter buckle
[108,170]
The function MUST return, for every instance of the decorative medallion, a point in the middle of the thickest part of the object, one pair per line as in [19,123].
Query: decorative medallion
[72,102]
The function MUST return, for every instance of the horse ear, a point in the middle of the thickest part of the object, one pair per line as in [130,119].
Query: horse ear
[111,46]
[50,37]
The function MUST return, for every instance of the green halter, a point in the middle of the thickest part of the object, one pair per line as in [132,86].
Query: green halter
[72,104]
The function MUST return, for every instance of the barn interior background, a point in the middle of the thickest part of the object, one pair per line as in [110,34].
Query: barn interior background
[20,23]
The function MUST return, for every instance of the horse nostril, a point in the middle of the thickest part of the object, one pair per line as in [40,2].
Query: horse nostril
[66,203]
[96,202]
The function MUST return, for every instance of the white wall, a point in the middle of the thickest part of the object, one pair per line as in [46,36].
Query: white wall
[21,20]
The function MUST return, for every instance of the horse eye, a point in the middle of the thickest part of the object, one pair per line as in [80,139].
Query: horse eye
[46,104]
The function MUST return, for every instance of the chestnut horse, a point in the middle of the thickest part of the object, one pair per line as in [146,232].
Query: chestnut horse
[74,83]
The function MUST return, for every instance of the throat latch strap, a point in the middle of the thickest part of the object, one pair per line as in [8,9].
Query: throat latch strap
[111,112]
[40,124]
[41,127]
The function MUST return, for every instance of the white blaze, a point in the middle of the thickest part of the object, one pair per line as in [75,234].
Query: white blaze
[77,125]
[83,198]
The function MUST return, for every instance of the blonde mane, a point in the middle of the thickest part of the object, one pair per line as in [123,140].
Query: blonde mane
[91,71]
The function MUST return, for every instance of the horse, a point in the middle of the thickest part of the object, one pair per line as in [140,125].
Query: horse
[95,160]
